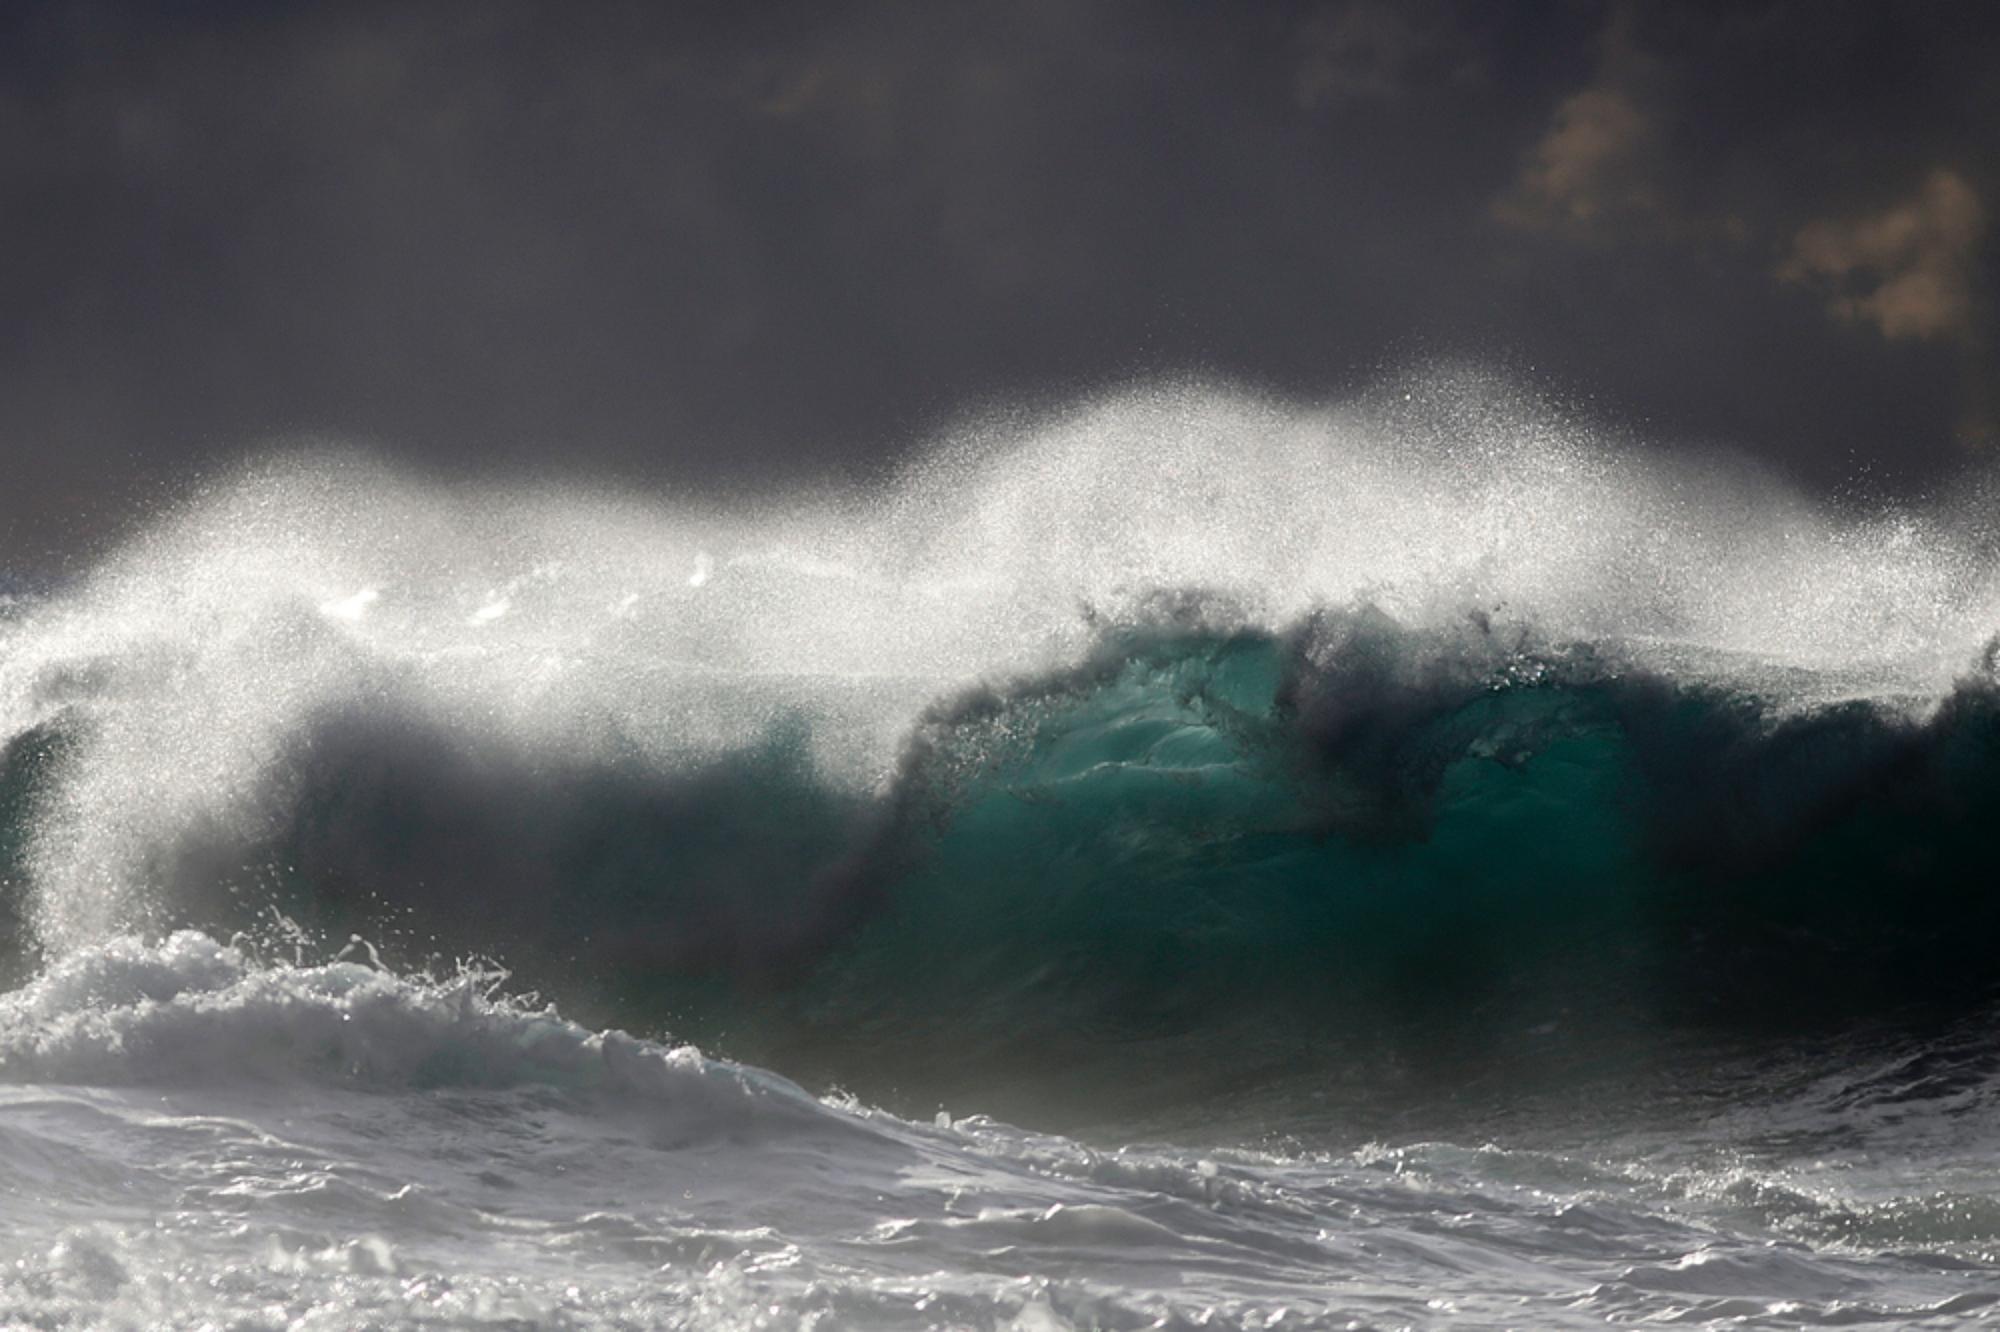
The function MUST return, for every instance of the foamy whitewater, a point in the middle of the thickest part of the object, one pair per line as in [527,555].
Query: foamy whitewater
[1181,861]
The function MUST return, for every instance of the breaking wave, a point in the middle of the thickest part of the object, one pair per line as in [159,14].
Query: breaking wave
[1181,724]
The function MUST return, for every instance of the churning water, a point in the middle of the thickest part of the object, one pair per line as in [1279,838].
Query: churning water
[1186,861]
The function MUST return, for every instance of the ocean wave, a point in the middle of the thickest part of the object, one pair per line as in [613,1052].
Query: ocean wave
[1288,842]
[1411,862]
[1085,746]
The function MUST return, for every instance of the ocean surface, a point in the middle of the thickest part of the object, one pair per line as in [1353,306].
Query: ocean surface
[1178,860]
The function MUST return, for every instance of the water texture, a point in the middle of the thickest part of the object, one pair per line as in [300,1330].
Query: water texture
[1181,860]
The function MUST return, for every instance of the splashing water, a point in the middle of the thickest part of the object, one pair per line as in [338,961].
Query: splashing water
[1312,788]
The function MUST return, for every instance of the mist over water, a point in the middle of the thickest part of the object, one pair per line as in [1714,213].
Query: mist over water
[1530,881]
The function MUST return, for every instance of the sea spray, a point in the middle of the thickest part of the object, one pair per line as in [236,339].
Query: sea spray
[1442,865]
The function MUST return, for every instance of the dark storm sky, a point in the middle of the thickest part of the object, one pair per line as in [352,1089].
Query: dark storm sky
[714,243]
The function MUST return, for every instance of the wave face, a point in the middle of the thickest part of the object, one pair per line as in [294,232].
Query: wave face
[1313,789]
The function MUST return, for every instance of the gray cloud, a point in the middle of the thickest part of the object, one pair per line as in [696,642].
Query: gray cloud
[1588,171]
[1594,172]
[1639,157]
[719,245]
[1906,270]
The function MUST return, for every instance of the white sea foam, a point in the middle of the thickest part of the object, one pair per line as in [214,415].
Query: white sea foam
[189,1136]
